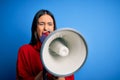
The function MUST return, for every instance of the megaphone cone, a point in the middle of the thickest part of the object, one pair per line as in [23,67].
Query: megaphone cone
[63,52]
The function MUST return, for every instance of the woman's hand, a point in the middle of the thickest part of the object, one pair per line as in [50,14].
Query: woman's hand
[39,76]
[55,78]
[61,78]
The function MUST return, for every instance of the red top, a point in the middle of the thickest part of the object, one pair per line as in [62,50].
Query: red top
[29,63]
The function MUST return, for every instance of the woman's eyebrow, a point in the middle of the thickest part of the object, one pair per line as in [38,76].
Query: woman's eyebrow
[41,22]
[50,22]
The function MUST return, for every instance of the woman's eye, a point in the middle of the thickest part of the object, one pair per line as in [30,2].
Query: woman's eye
[40,23]
[50,24]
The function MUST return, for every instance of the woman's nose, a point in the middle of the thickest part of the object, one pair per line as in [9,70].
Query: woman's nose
[46,28]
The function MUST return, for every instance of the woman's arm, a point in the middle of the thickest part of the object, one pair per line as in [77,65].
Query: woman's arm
[22,67]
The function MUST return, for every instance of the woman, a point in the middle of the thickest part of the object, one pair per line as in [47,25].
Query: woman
[29,65]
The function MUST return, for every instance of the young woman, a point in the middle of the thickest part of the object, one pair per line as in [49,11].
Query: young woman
[29,65]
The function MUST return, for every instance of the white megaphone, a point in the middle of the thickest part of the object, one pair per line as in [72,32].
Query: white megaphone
[63,52]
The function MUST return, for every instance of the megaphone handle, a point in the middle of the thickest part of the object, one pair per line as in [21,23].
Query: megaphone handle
[44,74]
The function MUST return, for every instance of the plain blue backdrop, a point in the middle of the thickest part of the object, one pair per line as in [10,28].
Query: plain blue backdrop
[97,20]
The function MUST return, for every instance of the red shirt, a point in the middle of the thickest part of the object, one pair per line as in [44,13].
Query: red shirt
[29,63]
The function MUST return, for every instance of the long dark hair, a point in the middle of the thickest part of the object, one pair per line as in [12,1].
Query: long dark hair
[34,37]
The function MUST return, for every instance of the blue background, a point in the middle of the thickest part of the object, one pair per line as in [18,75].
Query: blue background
[97,20]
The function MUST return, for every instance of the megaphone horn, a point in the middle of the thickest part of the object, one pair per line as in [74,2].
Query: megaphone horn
[63,52]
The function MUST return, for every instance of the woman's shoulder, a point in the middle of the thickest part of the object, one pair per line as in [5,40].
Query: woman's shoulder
[25,47]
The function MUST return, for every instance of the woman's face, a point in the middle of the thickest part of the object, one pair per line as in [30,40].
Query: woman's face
[45,23]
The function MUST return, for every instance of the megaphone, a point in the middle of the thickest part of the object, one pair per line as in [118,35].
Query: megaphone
[63,52]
